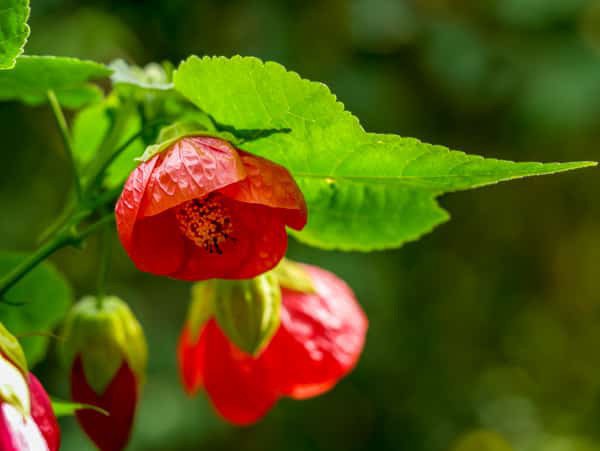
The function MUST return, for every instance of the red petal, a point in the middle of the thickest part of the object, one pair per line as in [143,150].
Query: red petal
[270,184]
[19,433]
[190,356]
[43,415]
[158,246]
[320,338]
[190,169]
[109,433]
[128,205]
[239,386]
[260,242]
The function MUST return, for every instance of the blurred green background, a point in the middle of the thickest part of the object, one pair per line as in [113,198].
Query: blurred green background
[485,335]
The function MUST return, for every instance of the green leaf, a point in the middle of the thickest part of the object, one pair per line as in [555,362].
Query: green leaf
[36,305]
[364,191]
[90,128]
[14,30]
[66,408]
[33,76]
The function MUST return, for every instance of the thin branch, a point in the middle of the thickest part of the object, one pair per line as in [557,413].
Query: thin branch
[22,269]
[66,137]
[66,237]
[105,256]
[100,168]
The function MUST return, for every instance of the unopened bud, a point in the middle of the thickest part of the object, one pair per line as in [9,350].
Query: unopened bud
[248,311]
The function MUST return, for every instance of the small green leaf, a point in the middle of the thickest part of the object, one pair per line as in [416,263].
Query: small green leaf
[45,296]
[14,30]
[66,408]
[364,191]
[90,128]
[33,76]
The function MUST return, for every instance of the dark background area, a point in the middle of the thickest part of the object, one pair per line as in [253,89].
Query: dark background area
[485,334]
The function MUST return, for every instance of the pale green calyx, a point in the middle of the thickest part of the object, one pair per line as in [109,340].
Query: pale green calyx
[202,306]
[11,349]
[179,130]
[104,335]
[248,311]
[293,276]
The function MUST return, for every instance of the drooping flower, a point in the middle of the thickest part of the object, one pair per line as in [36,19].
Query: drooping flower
[27,422]
[319,341]
[203,209]
[105,350]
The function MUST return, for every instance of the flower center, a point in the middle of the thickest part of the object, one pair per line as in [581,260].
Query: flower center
[206,221]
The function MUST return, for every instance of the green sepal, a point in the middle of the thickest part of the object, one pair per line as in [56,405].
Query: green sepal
[14,387]
[104,334]
[248,311]
[202,305]
[293,276]
[12,350]
[66,408]
[179,130]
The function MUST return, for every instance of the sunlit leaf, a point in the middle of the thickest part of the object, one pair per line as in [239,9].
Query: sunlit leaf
[66,408]
[91,127]
[69,78]
[365,191]
[14,30]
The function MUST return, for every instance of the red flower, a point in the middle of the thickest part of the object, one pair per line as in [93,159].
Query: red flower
[27,422]
[109,433]
[318,342]
[105,350]
[204,209]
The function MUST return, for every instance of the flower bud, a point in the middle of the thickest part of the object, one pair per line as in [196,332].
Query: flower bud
[319,340]
[188,352]
[106,352]
[248,311]
[27,422]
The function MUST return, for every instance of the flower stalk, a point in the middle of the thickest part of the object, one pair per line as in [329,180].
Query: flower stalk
[66,138]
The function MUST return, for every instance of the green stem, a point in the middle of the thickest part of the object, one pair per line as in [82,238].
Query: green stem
[65,237]
[23,268]
[95,227]
[110,142]
[105,256]
[61,122]
[100,168]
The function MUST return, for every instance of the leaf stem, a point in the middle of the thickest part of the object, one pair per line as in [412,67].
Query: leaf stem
[103,165]
[22,269]
[105,256]
[95,227]
[111,141]
[67,236]
[61,122]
